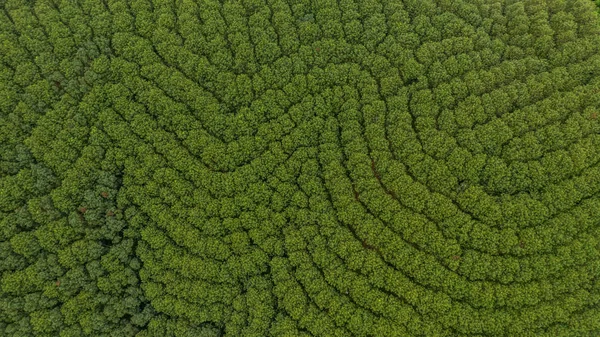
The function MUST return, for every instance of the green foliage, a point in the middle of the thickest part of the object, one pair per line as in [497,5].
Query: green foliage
[297,168]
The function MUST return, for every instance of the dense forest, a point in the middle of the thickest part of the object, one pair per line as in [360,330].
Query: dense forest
[299,168]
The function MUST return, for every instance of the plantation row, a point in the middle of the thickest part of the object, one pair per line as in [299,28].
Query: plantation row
[290,168]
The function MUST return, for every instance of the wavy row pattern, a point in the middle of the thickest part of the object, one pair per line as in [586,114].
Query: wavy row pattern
[299,168]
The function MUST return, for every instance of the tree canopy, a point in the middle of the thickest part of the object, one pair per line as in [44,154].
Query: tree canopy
[299,168]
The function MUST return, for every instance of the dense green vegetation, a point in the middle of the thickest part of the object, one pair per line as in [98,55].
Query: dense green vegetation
[299,168]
